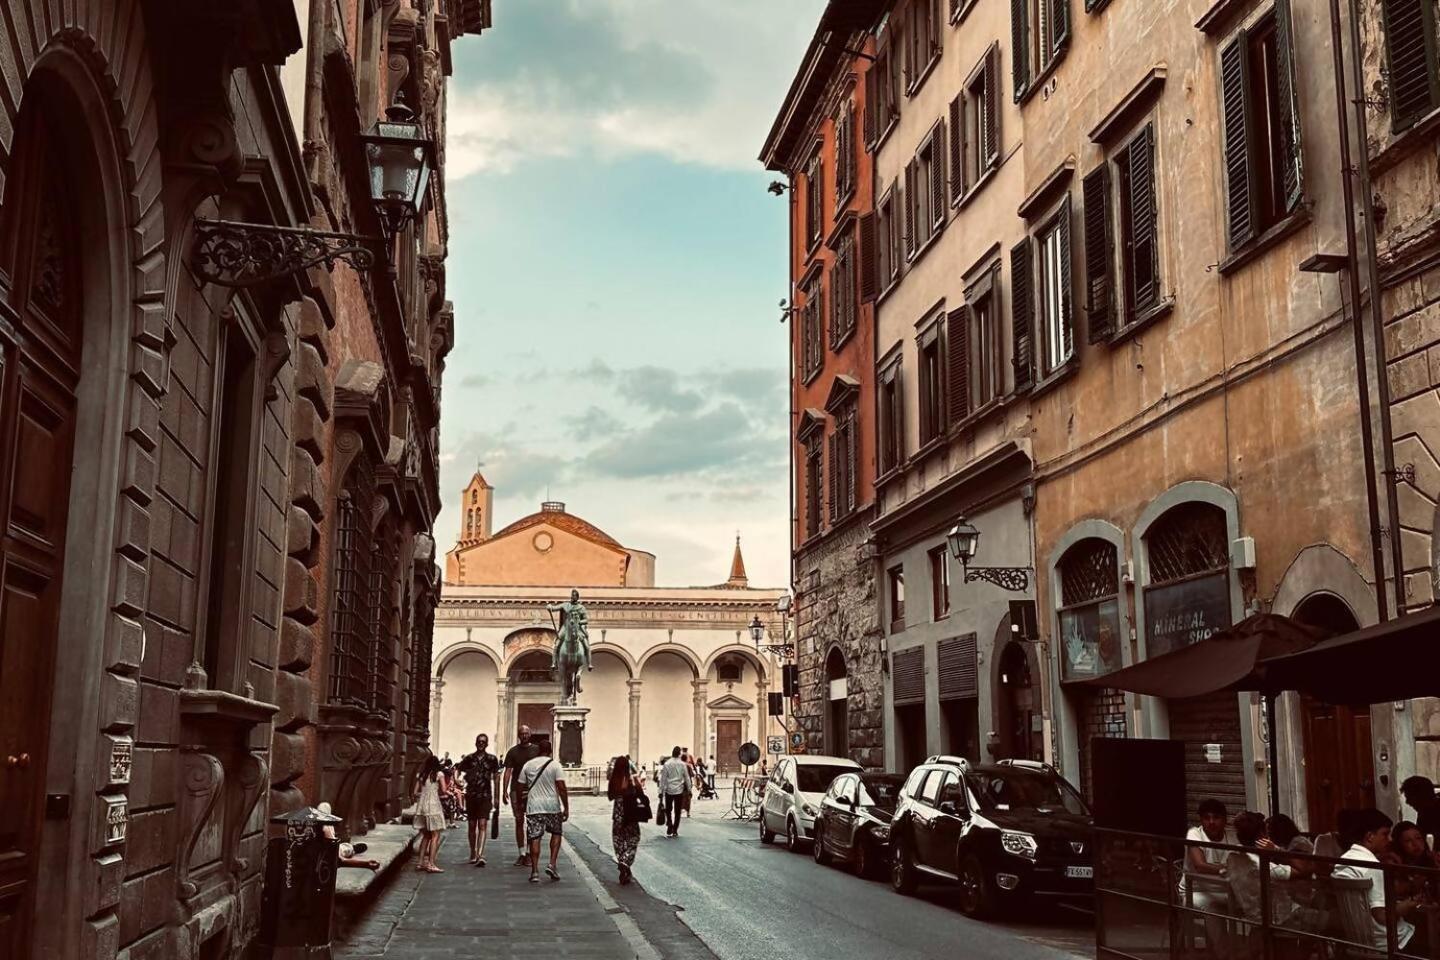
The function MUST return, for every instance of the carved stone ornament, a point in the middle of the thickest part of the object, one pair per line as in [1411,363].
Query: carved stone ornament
[203,776]
[233,254]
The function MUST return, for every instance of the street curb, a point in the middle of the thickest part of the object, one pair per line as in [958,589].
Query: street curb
[629,929]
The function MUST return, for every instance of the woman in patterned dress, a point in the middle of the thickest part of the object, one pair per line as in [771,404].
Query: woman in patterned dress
[624,836]
[429,814]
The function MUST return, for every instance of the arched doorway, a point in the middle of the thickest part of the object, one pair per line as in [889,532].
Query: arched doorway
[467,705]
[1018,704]
[837,705]
[534,691]
[1339,758]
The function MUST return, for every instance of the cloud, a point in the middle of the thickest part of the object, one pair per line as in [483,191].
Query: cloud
[515,468]
[610,78]
[594,423]
[719,441]
[476,380]
[659,389]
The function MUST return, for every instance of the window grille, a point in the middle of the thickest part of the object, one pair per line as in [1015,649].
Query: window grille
[1189,539]
[1088,572]
[352,633]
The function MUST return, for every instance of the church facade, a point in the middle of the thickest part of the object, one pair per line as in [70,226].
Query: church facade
[672,666]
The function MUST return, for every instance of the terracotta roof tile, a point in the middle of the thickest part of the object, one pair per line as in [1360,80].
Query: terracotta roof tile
[563,521]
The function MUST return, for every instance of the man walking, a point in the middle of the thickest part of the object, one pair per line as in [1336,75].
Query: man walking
[481,770]
[674,775]
[515,759]
[547,807]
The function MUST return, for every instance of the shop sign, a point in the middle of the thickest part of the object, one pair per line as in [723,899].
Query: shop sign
[1179,614]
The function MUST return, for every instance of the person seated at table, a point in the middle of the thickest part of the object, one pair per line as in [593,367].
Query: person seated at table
[1242,870]
[1287,836]
[1202,885]
[1370,831]
[1408,849]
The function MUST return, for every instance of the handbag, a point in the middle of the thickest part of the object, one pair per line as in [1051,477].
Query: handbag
[659,808]
[495,823]
[637,806]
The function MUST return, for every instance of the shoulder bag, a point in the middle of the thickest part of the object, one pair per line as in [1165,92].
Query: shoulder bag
[636,807]
[522,790]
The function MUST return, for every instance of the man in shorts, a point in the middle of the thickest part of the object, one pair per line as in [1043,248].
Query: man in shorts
[516,758]
[547,807]
[481,769]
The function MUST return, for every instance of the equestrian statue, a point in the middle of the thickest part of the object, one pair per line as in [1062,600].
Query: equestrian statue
[572,644]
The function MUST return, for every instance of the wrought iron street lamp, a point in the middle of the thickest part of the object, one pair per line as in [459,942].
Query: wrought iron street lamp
[964,541]
[784,650]
[400,158]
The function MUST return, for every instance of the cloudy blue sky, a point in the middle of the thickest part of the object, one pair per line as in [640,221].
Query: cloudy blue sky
[616,264]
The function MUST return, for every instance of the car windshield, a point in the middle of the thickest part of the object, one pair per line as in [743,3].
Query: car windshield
[879,793]
[1000,790]
[815,778]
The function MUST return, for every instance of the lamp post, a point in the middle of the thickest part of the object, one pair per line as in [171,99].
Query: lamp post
[784,650]
[964,541]
[233,253]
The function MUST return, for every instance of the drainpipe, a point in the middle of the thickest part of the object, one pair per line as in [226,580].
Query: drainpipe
[1377,316]
[1352,282]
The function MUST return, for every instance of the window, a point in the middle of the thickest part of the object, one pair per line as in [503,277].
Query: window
[1041,33]
[925,191]
[814,198]
[930,793]
[1413,79]
[882,92]
[975,348]
[729,671]
[975,127]
[352,615]
[844,451]
[844,154]
[1187,593]
[812,330]
[923,34]
[897,598]
[932,380]
[892,419]
[1263,181]
[887,243]
[1090,638]
[1133,168]
[939,583]
[844,291]
[814,483]
[1050,309]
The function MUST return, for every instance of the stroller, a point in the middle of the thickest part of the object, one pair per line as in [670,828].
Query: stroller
[707,782]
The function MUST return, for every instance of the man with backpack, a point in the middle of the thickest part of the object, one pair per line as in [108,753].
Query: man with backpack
[547,807]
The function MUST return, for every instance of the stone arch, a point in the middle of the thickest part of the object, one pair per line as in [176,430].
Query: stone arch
[837,702]
[619,653]
[456,650]
[512,648]
[740,650]
[1321,567]
[684,653]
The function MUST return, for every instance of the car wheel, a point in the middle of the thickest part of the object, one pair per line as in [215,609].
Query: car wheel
[977,896]
[766,834]
[792,835]
[860,860]
[817,848]
[902,871]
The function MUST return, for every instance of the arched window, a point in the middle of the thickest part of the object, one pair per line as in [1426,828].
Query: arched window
[353,617]
[1187,594]
[837,712]
[1090,610]
[729,670]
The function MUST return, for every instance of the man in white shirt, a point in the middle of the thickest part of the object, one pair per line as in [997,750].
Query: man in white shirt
[674,775]
[547,807]
[1373,830]
[1213,897]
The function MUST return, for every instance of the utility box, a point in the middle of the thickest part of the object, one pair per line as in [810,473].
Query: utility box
[299,894]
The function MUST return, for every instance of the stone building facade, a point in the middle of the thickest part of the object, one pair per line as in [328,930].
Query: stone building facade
[817,143]
[171,442]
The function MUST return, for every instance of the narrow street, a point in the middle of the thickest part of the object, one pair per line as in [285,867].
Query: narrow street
[716,893]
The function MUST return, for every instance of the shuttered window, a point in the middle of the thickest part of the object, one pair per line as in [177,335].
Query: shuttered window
[844,292]
[957,363]
[1040,30]
[869,258]
[1052,309]
[844,155]
[923,41]
[885,240]
[1264,175]
[814,199]
[932,382]
[1022,316]
[1139,223]
[896,585]
[959,667]
[892,419]
[814,483]
[939,583]
[843,456]
[907,674]
[1410,60]
[812,330]
[986,341]
[975,126]
[925,191]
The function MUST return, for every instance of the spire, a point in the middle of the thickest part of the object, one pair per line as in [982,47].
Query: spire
[737,568]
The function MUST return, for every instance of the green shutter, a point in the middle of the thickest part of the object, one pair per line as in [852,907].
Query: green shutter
[1022,316]
[1410,51]
[1239,172]
[1288,107]
[1144,266]
[1020,37]
[1099,255]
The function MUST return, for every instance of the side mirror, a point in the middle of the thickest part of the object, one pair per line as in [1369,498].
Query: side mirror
[948,807]
[788,787]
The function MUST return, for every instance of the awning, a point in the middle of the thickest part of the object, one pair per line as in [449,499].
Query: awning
[1395,660]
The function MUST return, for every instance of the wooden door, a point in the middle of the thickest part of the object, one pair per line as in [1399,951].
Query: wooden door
[538,718]
[39,373]
[727,746]
[1339,766]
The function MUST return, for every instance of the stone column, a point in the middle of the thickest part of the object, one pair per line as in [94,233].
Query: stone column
[505,737]
[762,699]
[435,686]
[701,687]
[635,720]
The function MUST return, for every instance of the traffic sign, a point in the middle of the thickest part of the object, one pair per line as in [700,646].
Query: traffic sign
[775,744]
[797,739]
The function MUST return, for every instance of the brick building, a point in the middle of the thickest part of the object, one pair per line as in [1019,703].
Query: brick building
[817,142]
[192,461]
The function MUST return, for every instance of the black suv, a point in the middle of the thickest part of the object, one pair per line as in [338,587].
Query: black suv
[1002,831]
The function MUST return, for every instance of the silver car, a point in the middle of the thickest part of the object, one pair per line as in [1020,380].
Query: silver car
[792,797]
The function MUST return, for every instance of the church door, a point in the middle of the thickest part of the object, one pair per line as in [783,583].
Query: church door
[40,336]
[727,746]
[537,717]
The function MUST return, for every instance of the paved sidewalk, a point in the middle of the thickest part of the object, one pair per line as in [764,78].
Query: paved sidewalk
[495,912]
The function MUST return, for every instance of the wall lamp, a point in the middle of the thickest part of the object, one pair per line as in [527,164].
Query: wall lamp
[786,651]
[400,157]
[964,540]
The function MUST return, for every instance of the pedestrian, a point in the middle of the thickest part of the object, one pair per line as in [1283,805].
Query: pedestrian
[547,807]
[480,770]
[429,815]
[674,776]
[629,808]
[1419,793]
[515,759]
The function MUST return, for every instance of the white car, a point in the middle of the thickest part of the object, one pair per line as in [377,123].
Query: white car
[792,797]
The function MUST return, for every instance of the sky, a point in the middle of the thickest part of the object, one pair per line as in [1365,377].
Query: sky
[616,266]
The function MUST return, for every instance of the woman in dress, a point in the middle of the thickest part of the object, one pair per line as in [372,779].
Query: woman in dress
[624,835]
[429,814]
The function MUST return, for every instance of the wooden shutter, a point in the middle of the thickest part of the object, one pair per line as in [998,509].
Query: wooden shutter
[909,201]
[852,458]
[1288,106]
[937,176]
[1239,172]
[1061,10]
[897,416]
[1067,320]
[1022,316]
[954,9]
[990,111]
[1099,255]
[872,103]
[907,673]
[959,671]
[1020,44]
[834,477]
[1410,51]
[957,149]
[869,285]
[1144,248]
[957,346]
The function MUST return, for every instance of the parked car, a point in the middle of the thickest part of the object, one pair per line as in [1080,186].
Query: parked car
[1001,831]
[792,797]
[854,820]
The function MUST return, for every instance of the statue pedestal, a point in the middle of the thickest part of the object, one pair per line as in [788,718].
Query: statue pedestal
[570,731]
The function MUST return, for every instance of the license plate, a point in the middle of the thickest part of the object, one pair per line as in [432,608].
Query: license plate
[1080,873]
